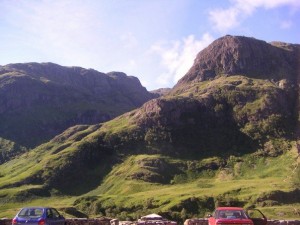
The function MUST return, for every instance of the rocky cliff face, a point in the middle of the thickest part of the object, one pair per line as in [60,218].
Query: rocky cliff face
[38,101]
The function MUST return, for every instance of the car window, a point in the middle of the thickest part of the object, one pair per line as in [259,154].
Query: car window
[55,213]
[214,214]
[49,214]
[231,214]
[31,212]
[255,214]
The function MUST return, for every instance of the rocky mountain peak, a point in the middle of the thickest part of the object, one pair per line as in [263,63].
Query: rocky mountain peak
[238,55]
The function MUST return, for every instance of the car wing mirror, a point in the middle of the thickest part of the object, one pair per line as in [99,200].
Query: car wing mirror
[256,213]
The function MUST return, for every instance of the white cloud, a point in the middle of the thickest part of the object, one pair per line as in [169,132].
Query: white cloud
[268,4]
[225,19]
[177,57]
[56,29]
[286,24]
[129,40]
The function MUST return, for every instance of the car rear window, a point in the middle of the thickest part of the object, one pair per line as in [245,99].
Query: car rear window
[31,212]
[231,214]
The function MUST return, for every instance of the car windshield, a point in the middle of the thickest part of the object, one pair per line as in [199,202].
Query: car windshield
[31,212]
[231,214]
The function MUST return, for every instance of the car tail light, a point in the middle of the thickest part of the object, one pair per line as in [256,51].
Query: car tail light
[41,222]
[14,221]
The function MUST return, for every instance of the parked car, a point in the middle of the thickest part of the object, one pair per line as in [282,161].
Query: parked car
[38,216]
[236,216]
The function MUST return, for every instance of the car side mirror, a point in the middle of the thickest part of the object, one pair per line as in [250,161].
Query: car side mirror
[209,215]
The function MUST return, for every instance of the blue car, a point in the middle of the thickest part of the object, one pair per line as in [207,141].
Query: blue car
[38,216]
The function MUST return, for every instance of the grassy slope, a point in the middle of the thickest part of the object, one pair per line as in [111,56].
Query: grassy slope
[245,184]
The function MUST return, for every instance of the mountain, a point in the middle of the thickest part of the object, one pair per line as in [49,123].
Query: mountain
[250,57]
[40,100]
[161,91]
[226,134]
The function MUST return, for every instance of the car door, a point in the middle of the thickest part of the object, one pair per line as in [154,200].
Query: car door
[257,217]
[57,218]
[211,219]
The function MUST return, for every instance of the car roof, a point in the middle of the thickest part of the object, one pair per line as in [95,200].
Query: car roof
[229,208]
[36,207]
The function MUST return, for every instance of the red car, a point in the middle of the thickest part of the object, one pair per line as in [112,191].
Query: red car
[236,216]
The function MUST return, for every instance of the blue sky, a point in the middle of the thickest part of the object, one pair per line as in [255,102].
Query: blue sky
[154,40]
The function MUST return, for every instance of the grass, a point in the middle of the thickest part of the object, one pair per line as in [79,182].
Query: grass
[239,82]
[118,125]
[9,210]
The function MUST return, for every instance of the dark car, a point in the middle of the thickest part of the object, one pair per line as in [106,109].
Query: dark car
[38,216]
[236,216]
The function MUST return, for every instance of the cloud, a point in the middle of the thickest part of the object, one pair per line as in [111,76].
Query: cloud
[129,40]
[56,29]
[225,19]
[268,4]
[177,57]
[286,24]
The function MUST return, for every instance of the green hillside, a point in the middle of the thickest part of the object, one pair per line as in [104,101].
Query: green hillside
[192,192]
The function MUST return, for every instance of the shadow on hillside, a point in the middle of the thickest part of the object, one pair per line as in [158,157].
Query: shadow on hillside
[84,178]
[194,143]
[279,197]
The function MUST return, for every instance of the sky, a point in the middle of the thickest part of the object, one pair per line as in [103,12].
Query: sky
[153,40]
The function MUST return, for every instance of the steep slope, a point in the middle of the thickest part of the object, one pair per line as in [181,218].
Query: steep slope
[218,138]
[38,101]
